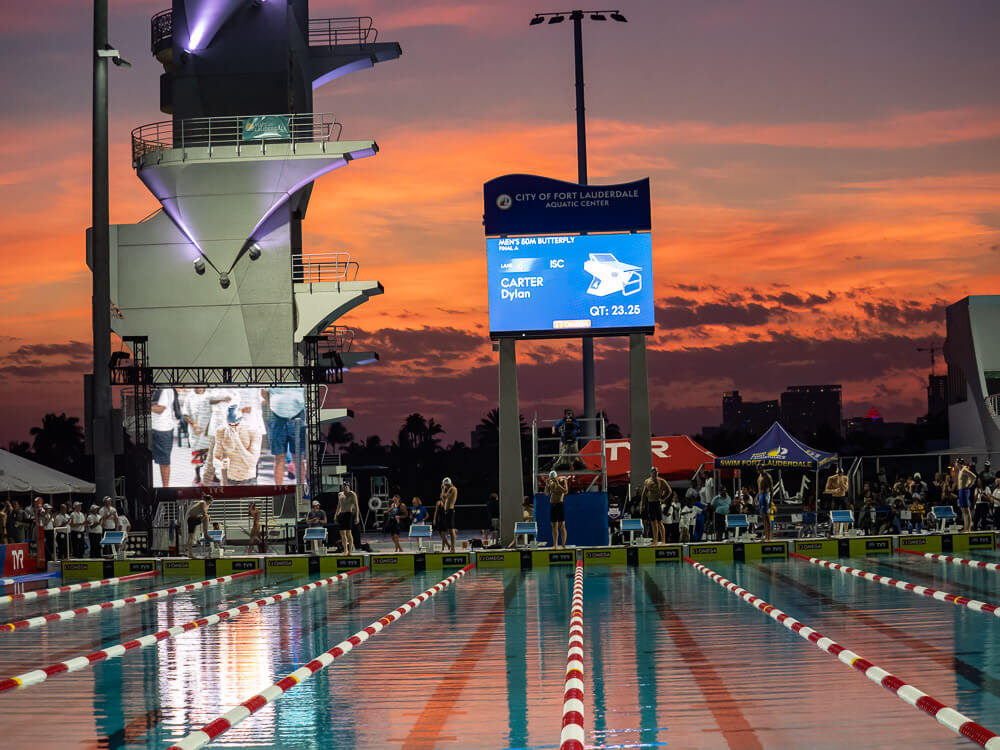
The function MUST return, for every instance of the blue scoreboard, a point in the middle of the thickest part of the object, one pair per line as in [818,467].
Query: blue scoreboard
[567,285]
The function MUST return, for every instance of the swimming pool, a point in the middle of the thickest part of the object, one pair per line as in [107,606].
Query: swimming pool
[671,659]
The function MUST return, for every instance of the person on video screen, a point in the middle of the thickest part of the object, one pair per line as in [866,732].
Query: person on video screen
[287,431]
[237,448]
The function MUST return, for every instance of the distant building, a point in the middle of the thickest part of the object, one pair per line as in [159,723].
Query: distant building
[972,351]
[872,425]
[751,417]
[937,395]
[805,409]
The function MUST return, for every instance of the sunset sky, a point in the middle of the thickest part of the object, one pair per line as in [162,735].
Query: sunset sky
[825,180]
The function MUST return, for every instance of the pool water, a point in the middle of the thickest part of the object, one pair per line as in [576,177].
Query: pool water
[671,660]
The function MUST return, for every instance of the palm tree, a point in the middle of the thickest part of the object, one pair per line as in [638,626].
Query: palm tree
[59,443]
[430,439]
[413,432]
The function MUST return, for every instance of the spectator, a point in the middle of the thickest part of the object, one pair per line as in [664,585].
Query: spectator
[5,510]
[672,518]
[692,493]
[917,511]
[94,527]
[15,523]
[77,529]
[62,534]
[688,519]
[720,505]
[418,512]
[47,521]
[983,505]
[124,526]
[237,449]
[109,516]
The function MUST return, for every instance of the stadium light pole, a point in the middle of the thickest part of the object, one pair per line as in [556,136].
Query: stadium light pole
[577,16]
[99,396]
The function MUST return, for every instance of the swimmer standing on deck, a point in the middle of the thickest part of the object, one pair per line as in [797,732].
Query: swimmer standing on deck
[347,515]
[764,486]
[449,496]
[654,491]
[557,489]
[198,516]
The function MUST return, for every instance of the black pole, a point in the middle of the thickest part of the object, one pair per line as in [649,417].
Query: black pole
[589,401]
[100,428]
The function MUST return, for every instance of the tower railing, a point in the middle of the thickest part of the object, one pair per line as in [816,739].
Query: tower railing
[161,30]
[993,405]
[254,131]
[330,32]
[318,268]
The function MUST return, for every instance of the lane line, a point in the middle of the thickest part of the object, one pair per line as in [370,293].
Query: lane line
[943,596]
[572,736]
[69,588]
[942,658]
[69,614]
[36,676]
[928,577]
[426,729]
[726,710]
[956,560]
[247,708]
[945,715]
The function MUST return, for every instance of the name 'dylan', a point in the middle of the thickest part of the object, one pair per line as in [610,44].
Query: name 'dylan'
[514,288]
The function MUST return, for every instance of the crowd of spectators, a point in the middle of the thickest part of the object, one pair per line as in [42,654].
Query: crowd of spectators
[66,529]
[904,503]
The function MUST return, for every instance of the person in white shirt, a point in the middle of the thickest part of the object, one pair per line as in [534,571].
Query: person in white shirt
[77,527]
[47,522]
[163,421]
[109,516]
[125,526]
[94,531]
[219,401]
[61,525]
[688,519]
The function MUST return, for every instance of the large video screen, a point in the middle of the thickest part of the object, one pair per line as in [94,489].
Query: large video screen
[228,436]
[551,286]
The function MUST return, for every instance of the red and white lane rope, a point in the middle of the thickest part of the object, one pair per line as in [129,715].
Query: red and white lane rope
[120,649]
[944,596]
[247,708]
[572,735]
[945,715]
[69,614]
[956,560]
[28,595]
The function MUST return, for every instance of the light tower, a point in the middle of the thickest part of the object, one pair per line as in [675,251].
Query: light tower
[219,276]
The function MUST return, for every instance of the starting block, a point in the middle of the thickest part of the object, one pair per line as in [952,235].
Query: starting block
[842,516]
[115,540]
[738,522]
[420,531]
[945,516]
[214,539]
[316,535]
[632,525]
[525,529]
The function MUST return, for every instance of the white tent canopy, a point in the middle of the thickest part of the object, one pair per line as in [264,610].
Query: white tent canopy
[18,474]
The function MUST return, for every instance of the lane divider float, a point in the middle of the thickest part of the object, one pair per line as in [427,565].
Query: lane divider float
[120,649]
[69,614]
[943,596]
[957,560]
[249,707]
[27,595]
[572,735]
[945,715]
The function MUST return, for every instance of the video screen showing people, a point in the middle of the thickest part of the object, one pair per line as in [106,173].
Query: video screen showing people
[228,436]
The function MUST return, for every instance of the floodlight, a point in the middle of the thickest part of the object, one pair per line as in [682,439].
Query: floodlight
[619,17]
[536,20]
[598,17]
[557,19]
[199,266]
[224,280]
[254,251]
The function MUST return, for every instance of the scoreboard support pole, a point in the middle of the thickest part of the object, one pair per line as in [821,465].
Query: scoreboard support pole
[641,449]
[511,468]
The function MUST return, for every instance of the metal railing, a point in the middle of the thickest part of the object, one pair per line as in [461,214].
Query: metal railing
[161,30]
[329,32]
[324,267]
[241,131]
[993,404]
[338,338]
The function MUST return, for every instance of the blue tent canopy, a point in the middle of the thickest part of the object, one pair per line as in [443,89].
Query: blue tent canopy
[778,450]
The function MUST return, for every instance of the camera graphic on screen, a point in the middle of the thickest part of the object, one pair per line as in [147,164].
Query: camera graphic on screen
[611,275]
